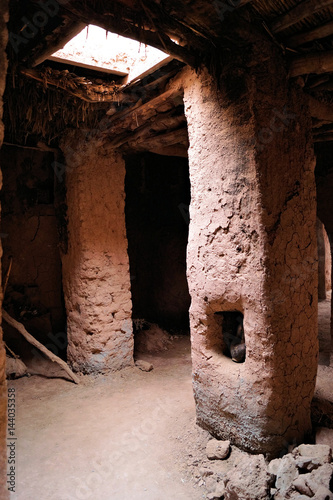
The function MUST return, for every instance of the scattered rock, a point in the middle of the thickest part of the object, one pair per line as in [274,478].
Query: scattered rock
[249,480]
[320,477]
[218,492]
[318,454]
[217,450]
[286,474]
[144,365]
[15,368]
[205,472]
[324,436]
[274,465]
[300,497]
[323,494]
[306,463]
[301,485]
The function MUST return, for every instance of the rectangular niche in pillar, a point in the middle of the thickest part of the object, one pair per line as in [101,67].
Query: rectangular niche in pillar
[233,338]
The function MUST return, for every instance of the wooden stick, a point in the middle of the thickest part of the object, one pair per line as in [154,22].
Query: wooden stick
[55,359]
[7,275]
[298,13]
[315,34]
[15,356]
[316,62]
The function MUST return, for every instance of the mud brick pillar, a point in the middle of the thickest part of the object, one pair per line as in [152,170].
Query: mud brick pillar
[252,249]
[96,275]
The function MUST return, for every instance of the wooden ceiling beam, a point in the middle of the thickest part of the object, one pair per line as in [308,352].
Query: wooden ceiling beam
[310,36]
[320,110]
[302,11]
[56,43]
[140,112]
[316,62]
[153,141]
[323,138]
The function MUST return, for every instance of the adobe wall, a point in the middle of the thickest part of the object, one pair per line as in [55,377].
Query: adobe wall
[252,248]
[3,386]
[96,277]
[30,229]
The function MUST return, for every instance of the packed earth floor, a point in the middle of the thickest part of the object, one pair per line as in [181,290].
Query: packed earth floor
[129,435]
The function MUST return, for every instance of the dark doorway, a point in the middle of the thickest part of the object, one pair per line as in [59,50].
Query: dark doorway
[157,200]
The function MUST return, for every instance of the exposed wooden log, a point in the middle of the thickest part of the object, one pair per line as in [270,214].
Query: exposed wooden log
[318,63]
[58,43]
[139,114]
[83,92]
[298,13]
[240,3]
[317,124]
[323,130]
[20,328]
[309,36]
[163,122]
[39,147]
[150,71]
[176,137]
[328,86]
[318,81]
[175,150]
[323,138]
[320,110]
[125,28]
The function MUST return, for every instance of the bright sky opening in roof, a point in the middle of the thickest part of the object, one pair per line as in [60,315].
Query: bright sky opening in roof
[110,52]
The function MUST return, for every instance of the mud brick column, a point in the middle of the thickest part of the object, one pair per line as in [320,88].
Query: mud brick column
[96,275]
[252,249]
[3,386]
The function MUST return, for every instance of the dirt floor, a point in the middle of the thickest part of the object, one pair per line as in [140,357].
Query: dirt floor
[126,436]
[129,435]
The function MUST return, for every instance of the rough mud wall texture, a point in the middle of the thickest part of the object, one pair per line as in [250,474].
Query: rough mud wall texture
[96,275]
[252,248]
[30,238]
[3,388]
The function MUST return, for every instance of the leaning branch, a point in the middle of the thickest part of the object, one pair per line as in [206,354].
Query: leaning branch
[20,328]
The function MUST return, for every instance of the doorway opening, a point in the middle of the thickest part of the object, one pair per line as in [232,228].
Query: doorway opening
[157,198]
[324,294]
